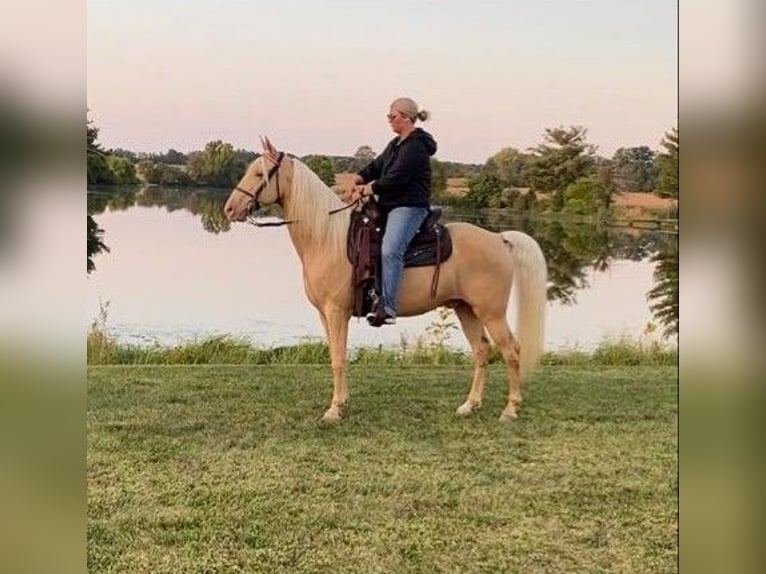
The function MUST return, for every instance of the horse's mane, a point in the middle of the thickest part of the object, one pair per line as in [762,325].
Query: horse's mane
[311,202]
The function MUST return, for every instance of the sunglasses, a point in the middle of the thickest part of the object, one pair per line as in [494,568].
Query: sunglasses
[392,117]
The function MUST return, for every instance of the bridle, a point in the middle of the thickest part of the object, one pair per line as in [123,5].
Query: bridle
[254,205]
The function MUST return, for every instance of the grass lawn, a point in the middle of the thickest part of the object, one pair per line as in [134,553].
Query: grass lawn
[228,469]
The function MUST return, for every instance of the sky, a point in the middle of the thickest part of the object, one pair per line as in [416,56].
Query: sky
[318,76]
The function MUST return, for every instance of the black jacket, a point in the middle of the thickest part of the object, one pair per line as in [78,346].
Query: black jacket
[402,172]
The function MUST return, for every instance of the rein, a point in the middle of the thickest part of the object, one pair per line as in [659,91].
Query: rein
[344,208]
[252,221]
[255,194]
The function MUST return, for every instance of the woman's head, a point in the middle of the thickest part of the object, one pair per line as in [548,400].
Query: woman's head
[403,114]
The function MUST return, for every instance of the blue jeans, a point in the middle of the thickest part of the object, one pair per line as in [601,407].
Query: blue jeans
[403,224]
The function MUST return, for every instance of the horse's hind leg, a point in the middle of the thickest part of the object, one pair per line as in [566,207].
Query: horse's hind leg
[474,332]
[509,347]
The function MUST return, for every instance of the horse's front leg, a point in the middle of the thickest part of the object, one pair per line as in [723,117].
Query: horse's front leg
[335,321]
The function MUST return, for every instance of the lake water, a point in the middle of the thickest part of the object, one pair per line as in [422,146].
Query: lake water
[176,271]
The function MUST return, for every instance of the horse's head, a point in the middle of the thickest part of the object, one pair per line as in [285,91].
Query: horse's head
[266,181]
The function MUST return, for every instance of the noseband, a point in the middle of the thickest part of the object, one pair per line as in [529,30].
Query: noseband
[253,204]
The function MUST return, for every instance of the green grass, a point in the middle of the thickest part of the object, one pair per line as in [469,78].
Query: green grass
[616,352]
[228,469]
[229,350]
[221,349]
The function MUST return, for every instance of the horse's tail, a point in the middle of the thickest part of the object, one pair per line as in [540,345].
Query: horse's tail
[530,285]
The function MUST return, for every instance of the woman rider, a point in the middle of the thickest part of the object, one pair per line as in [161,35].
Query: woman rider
[400,180]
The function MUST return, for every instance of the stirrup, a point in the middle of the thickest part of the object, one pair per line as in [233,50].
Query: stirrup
[380,317]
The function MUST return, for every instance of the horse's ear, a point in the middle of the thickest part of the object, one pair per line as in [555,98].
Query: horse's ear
[270,147]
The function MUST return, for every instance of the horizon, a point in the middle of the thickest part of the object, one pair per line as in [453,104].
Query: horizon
[318,78]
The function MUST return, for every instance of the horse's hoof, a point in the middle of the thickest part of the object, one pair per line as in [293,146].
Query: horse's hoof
[331,419]
[333,415]
[507,416]
[467,408]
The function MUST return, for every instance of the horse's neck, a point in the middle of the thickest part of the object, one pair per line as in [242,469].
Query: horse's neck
[312,244]
[303,243]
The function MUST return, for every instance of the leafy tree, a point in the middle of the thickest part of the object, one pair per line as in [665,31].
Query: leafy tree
[323,167]
[510,165]
[217,165]
[174,176]
[527,201]
[484,189]
[246,157]
[438,177]
[127,154]
[602,169]
[667,163]
[173,157]
[564,158]
[634,169]
[362,157]
[98,171]
[587,195]
[161,174]
[456,169]
[149,171]
[342,163]
[123,170]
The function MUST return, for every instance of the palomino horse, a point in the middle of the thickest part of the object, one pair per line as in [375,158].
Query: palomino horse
[475,281]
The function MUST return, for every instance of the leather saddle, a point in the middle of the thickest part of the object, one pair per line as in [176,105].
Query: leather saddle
[431,246]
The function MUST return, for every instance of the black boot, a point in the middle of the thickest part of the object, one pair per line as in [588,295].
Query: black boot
[380,317]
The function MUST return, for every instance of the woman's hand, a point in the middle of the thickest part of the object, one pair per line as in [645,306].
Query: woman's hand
[357,193]
[350,187]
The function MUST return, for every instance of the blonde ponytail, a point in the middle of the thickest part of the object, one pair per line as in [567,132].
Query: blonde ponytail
[408,107]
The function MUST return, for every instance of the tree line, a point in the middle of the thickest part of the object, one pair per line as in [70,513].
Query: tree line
[564,172]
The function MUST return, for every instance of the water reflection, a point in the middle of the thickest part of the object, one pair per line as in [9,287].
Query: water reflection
[664,294]
[577,252]
[572,247]
[206,203]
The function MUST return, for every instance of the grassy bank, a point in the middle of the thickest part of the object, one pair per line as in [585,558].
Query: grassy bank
[220,350]
[227,469]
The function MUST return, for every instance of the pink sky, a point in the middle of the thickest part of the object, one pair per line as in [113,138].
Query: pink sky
[317,77]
